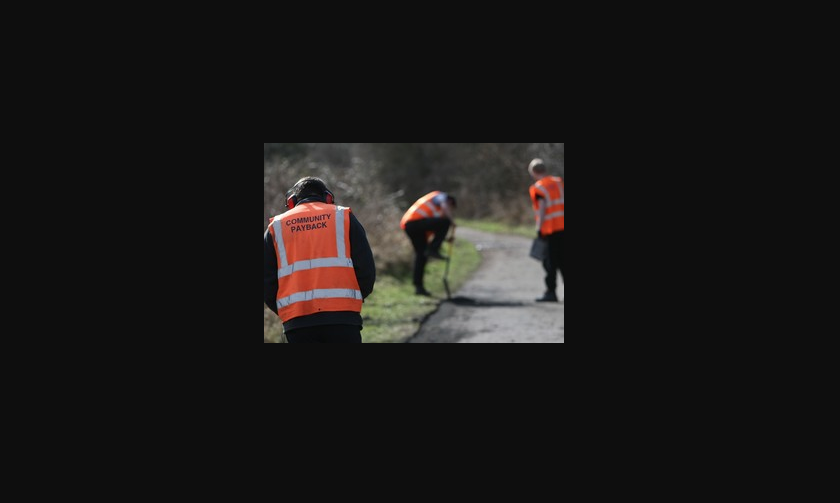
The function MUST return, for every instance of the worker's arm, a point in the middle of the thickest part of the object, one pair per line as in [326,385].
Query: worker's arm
[447,211]
[540,213]
[362,257]
[441,202]
[270,285]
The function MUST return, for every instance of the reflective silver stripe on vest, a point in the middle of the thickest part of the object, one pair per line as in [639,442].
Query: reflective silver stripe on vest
[431,208]
[278,238]
[339,232]
[327,293]
[556,214]
[341,259]
[549,201]
[434,209]
[305,265]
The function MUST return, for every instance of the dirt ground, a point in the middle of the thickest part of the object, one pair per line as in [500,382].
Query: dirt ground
[497,304]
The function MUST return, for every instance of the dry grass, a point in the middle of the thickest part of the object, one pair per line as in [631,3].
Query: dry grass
[272,327]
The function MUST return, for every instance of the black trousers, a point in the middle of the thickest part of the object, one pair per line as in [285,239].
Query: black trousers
[325,333]
[416,230]
[554,261]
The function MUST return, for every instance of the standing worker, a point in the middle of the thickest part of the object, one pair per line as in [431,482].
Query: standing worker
[547,197]
[318,267]
[430,215]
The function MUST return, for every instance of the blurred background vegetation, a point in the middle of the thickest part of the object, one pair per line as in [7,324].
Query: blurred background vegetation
[379,181]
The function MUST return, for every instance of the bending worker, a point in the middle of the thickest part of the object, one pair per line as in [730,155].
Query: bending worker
[431,216]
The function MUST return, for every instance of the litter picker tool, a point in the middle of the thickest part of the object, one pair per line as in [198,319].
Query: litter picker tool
[448,259]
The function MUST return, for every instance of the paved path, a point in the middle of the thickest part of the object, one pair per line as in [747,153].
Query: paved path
[497,303]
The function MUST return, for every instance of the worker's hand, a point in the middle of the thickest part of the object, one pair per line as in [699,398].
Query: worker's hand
[539,235]
[450,239]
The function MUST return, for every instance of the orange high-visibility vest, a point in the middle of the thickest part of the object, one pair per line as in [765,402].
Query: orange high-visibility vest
[314,269]
[551,189]
[423,208]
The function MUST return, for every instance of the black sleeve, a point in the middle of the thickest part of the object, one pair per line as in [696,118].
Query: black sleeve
[362,257]
[270,285]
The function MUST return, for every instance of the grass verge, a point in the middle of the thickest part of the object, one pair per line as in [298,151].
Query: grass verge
[392,313]
[499,228]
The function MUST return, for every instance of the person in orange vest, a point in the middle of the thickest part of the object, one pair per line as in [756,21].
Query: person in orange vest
[318,267]
[430,216]
[547,198]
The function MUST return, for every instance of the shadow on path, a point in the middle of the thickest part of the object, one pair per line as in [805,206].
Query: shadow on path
[469,302]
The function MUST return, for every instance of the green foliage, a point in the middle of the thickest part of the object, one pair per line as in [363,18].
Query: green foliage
[500,228]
